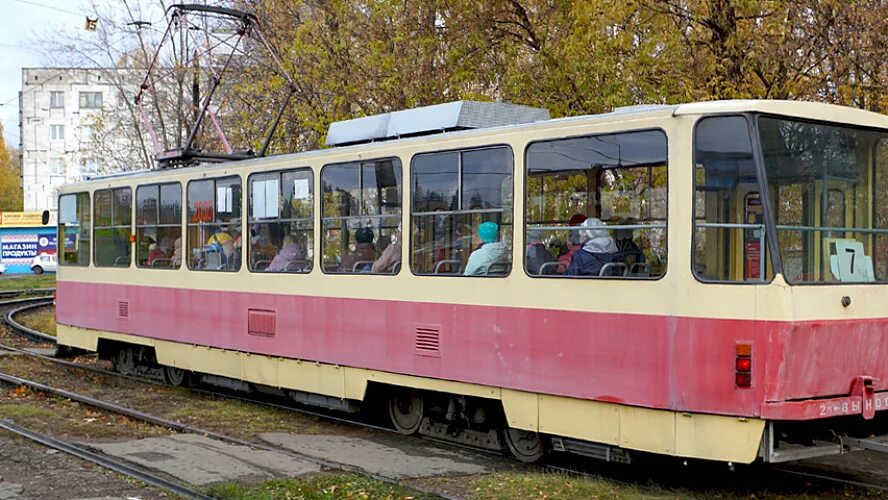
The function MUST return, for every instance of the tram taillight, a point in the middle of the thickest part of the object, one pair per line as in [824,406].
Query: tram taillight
[743,365]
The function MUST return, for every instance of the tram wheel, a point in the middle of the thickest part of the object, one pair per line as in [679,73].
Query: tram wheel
[526,446]
[125,361]
[174,376]
[406,411]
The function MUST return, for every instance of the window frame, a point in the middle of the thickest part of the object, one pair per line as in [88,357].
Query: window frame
[412,215]
[62,239]
[250,221]
[52,135]
[53,103]
[665,218]
[137,226]
[768,215]
[95,226]
[321,219]
[189,224]
[84,97]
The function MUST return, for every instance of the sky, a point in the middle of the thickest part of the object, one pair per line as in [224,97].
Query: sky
[26,20]
[30,20]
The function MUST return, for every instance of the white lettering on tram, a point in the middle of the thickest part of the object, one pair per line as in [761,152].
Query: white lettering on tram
[879,402]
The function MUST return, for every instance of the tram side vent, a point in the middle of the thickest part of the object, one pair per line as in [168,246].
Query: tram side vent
[122,309]
[427,340]
[262,322]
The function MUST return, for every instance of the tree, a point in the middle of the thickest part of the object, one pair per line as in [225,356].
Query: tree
[10,178]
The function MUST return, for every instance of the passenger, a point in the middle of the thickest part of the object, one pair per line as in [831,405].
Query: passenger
[574,243]
[391,254]
[364,251]
[598,249]
[260,243]
[177,252]
[628,250]
[291,252]
[537,253]
[491,250]
[219,243]
[154,253]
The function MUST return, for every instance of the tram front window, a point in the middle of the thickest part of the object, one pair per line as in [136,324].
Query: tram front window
[829,188]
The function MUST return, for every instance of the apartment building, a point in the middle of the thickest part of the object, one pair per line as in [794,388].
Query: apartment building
[59,111]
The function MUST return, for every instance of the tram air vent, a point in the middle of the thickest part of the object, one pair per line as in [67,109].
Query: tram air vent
[427,340]
[123,309]
[434,119]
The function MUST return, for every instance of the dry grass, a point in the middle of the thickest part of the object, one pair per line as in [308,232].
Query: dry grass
[27,282]
[42,320]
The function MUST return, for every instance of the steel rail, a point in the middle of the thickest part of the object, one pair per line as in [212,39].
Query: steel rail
[24,330]
[103,461]
[16,293]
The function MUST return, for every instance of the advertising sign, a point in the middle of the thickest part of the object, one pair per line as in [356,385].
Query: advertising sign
[21,219]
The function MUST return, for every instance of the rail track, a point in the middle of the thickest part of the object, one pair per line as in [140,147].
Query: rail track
[16,306]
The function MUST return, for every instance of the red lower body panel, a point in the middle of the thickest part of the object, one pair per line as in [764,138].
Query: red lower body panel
[678,363]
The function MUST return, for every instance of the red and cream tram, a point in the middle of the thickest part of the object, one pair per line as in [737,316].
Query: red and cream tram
[704,280]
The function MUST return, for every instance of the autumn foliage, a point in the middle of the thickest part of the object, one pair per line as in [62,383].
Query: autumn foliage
[359,57]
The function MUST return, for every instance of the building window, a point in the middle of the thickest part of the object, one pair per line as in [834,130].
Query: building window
[462,212]
[159,226]
[281,224]
[596,206]
[90,100]
[74,230]
[214,224]
[57,132]
[114,225]
[361,215]
[57,100]
[57,166]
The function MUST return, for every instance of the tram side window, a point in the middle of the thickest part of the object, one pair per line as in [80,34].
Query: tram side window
[729,226]
[214,224]
[159,226]
[114,225]
[596,206]
[361,217]
[462,212]
[281,223]
[74,229]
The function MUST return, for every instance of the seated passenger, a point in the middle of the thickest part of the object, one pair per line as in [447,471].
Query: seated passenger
[154,253]
[291,252]
[628,250]
[537,253]
[177,252]
[598,249]
[364,251]
[574,242]
[390,255]
[491,250]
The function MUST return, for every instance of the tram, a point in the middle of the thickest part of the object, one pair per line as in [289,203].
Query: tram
[703,280]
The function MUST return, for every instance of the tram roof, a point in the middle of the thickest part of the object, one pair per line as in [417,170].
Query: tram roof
[799,109]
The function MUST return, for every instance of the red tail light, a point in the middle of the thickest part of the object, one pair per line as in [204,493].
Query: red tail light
[743,365]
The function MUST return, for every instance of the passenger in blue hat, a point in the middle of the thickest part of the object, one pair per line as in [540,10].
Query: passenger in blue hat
[491,250]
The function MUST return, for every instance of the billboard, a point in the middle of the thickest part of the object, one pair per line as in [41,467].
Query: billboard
[24,219]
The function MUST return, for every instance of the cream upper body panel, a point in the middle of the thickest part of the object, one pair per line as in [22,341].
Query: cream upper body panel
[677,293]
